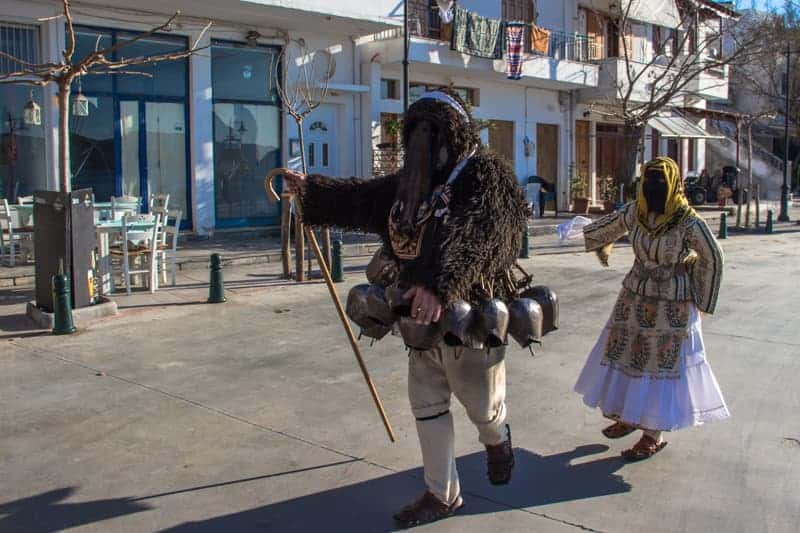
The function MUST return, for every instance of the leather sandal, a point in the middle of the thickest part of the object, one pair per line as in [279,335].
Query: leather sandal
[617,430]
[425,510]
[646,448]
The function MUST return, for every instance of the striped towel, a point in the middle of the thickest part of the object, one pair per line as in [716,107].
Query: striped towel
[515,35]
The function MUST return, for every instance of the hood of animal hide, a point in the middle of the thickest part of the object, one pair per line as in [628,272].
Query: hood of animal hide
[461,133]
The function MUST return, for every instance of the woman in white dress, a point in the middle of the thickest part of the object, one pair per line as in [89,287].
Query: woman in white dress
[648,369]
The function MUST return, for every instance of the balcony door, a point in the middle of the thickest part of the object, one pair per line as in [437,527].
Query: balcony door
[547,153]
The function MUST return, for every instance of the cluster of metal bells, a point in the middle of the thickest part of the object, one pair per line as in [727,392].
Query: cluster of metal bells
[488,325]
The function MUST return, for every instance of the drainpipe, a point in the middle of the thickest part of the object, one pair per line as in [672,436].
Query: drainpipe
[358,167]
[571,141]
[527,159]
[405,56]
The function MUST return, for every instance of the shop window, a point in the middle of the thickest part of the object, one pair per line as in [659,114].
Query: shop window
[247,132]
[244,73]
[166,78]
[22,148]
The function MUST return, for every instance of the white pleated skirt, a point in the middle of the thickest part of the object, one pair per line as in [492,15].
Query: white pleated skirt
[693,399]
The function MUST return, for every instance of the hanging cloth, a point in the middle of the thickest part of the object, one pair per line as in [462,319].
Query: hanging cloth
[446,10]
[476,35]
[677,208]
[540,40]
[515,35]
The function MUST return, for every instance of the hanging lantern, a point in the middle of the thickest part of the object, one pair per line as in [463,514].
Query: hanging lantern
[80,104]
[32,113]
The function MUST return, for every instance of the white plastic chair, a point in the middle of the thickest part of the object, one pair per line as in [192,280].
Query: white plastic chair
[168,245]
[139,245]
[25,200]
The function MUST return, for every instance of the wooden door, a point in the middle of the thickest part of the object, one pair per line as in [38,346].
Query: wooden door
[583,153]
[547,153]
[501,138]
[595,30]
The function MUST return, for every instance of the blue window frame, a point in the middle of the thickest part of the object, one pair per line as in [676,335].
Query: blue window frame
[247,132]
[136,124]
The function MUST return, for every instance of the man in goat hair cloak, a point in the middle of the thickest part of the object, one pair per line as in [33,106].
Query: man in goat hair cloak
[453,219]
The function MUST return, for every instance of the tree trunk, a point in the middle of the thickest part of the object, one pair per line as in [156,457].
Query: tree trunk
[65,172]
[631,146]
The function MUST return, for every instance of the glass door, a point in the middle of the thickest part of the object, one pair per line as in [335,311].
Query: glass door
[165,153]
[130,131]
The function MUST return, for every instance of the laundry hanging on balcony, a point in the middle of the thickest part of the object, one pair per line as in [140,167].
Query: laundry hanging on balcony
[540,40]
[446,10]
[515,37]
[658,12]
[476,35]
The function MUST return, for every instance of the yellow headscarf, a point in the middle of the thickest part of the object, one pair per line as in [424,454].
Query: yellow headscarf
[677,208]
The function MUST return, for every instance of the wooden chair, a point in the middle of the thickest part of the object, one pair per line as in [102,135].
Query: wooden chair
[139,245]
[168,245]
[16,241]
[159,201]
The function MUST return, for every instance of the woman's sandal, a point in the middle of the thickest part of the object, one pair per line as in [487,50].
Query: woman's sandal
[646,448]
[617,430]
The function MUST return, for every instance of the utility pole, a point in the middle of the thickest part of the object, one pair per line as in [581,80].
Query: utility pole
[406,41]
[784,214]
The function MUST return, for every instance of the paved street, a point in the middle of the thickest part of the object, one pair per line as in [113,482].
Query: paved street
[253,416]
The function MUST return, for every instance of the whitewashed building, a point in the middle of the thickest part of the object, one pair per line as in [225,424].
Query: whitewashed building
[207,129]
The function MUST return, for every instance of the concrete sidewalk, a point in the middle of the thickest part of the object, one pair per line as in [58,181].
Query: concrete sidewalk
[253,416]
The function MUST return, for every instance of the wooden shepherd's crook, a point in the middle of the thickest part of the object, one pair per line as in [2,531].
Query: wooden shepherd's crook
[326,273]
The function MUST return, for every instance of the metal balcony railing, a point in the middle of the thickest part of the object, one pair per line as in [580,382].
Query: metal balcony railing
[575,47]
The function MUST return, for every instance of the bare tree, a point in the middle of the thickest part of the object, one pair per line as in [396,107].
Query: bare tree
[100,61]
[303,80]
[665,78]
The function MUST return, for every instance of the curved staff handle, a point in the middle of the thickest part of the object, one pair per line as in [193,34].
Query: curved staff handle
[270,187]
[326,273]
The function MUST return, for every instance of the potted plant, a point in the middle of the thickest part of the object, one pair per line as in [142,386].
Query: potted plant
[610,193]
[392,128]
[580,203]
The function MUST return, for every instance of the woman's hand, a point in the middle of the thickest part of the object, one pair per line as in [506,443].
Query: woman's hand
[293,182]
[425,306]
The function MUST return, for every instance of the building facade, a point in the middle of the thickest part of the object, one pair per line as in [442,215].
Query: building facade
[208,128]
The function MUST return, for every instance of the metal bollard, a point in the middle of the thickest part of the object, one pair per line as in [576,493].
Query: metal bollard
[62,306]
[723,226]
[216,285]
[337,262]
[770,220]
[524,252]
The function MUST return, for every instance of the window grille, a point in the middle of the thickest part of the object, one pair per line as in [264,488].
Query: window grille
[20,41]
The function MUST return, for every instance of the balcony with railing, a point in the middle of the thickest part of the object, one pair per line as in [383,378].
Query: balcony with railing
[566,62]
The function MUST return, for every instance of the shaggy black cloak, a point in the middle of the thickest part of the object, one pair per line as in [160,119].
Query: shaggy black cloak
[474,247]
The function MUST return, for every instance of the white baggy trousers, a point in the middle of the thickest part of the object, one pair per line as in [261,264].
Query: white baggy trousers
[478,380]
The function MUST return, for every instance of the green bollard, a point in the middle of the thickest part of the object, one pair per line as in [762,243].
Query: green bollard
[216,286]
[524,252]
[337,262]
[62,305]
[770,220]
[723,226]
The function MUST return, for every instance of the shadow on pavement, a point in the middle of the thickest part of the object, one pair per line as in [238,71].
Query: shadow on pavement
[45,512]
[369,505]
